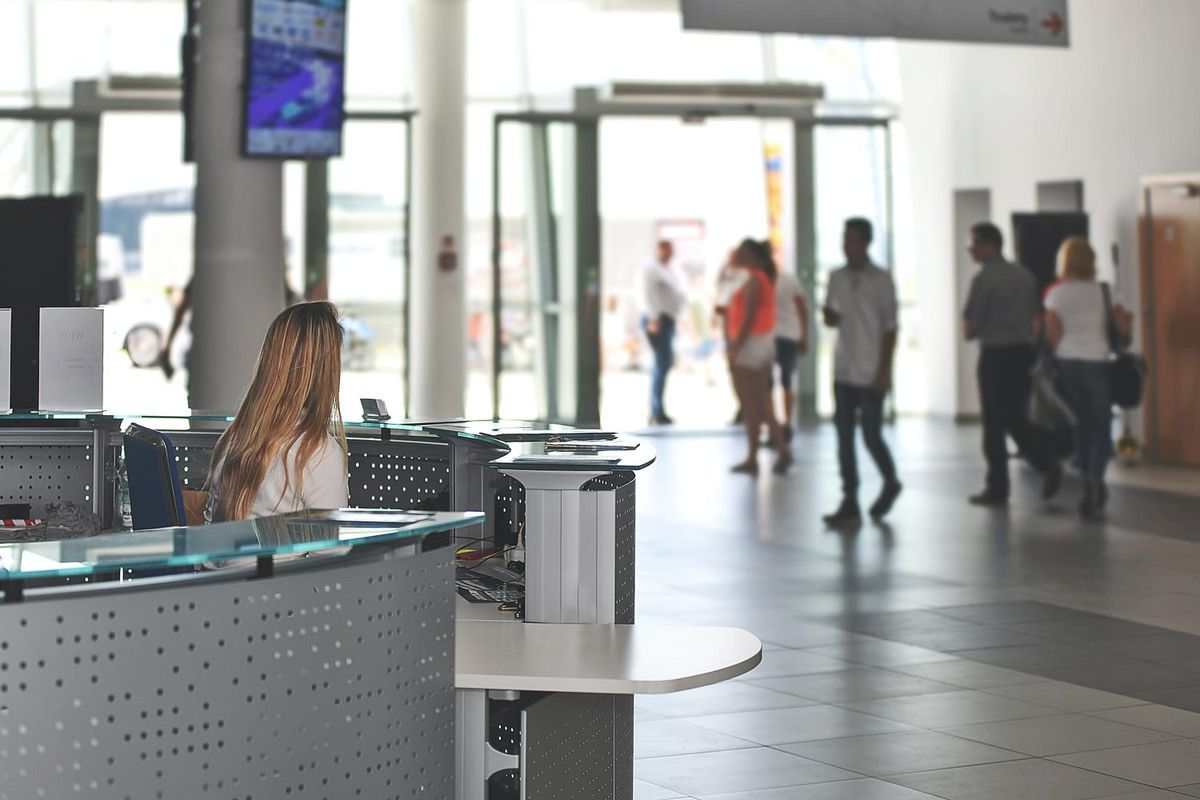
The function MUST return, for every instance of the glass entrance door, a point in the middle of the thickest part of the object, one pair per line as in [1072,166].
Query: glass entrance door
[544,321]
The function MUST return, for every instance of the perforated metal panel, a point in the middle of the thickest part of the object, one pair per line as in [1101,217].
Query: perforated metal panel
[331,680]
[399,473]
[193,462]
[567,748]
[625,498]
[409,475]
[504,723]
[46,473]
[509,516]
[622,747]
[623,486]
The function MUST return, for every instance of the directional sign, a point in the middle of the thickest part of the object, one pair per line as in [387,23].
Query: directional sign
[1041,22]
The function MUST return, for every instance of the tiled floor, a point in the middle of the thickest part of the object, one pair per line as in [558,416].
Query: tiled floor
[953,652]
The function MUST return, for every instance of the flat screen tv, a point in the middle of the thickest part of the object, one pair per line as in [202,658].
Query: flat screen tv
[295,78]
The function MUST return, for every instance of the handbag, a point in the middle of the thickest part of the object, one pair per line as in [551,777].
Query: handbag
[1048,410]
[1126,372]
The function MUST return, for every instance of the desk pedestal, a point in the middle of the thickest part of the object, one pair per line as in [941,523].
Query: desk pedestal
[537,746]
[579,545]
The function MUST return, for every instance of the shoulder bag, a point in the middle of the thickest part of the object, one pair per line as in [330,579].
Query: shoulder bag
[1126,372]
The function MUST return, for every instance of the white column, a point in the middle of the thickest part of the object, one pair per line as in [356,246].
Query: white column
[438,335]
[237,288]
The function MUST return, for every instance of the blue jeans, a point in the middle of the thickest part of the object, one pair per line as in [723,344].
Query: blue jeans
[663,346]
[1084,384]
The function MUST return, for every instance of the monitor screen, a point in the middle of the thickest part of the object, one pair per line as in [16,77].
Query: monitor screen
[295,78]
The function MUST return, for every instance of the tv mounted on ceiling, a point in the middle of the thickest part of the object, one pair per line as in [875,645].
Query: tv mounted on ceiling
[295,72]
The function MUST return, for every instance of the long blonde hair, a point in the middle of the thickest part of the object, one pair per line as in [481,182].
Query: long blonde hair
[293,400]
[1076,260]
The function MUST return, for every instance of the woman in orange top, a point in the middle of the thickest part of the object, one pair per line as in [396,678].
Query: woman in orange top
[750,344]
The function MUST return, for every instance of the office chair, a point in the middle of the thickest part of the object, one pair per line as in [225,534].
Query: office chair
[155,492]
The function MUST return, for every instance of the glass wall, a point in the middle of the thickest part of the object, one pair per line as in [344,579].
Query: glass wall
[704,184]
[144,257]
[17,161]
[144,247]
[368,204]
[521,54]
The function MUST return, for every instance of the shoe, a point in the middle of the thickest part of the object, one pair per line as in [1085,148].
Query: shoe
[745,468]
[988,500]
[661,419]
[1052,479]
[887,498]
[846,514]
[783,463]
[1087,503]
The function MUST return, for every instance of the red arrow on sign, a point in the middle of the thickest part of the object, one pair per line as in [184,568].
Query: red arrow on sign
[1053,23]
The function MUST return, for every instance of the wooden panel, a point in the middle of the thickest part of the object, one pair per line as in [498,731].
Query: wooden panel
[1171,325]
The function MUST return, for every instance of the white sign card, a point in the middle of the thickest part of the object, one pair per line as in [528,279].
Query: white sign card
[1040,22]
[71,360]
[5,360]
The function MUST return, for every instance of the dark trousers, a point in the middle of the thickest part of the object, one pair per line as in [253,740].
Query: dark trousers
[663,346]
[1004,386]
[851,403]
[1085,385]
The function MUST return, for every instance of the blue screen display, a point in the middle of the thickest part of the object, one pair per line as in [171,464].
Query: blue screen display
[295,78]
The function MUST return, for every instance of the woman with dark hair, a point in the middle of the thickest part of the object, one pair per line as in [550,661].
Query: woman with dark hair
[750,345]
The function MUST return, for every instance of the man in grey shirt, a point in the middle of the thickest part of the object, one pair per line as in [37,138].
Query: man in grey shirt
[1001,313]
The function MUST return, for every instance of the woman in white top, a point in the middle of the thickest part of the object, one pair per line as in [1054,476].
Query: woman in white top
[286,448]
[1077,326]
[791,339]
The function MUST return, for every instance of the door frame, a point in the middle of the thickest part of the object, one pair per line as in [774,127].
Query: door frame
[1146,289]
[591,109]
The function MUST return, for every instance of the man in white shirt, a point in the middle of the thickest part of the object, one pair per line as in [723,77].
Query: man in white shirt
[861,303]
[663,296]
[791,339]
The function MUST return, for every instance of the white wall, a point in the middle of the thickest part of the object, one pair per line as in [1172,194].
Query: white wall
[1121,103]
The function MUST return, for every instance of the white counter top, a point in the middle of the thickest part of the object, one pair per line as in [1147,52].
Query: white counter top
[599,659]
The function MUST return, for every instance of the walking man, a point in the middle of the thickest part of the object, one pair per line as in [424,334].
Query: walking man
[1001,311]
[861,304]
[663,298]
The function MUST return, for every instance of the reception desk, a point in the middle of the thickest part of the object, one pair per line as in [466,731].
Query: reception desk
[332,674]
[294,656]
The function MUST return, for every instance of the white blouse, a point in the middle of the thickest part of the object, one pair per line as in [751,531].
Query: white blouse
[326,484]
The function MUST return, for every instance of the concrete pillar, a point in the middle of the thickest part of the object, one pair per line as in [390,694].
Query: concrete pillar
[237,287]
[805,244]
[438,333]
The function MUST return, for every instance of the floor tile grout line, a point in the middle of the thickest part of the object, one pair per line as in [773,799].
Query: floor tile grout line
[1051,760]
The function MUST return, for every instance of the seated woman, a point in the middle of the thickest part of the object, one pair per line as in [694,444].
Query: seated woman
[286,449]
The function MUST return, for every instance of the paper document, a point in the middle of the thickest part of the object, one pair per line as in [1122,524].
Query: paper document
[565,458]
[71,359]
[5,360]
